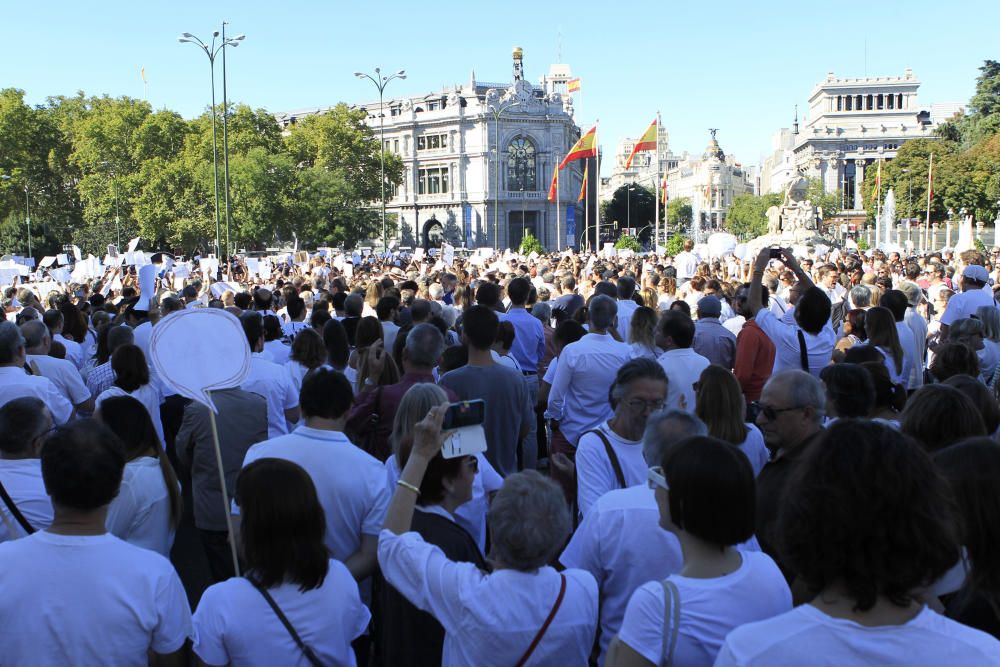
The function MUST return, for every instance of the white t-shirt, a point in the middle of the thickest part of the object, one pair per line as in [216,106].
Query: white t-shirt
[807,636]
[235,625]
[74,352]
[784,335]
[755,449]
[898,374]
[683,367]
[964,304]
[271,381]
[709,610]
[88,600]
[278,351]
[23,480]
[140,513]
[595,475]
[64,375]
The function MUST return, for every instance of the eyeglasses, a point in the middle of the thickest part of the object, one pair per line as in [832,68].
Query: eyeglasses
[772,413]
[655,478]
[472,462]
[639,405]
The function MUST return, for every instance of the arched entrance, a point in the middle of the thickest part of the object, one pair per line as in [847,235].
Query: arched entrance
[433,235]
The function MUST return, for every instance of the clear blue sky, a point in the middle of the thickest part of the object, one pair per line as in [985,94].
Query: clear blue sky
[738,66]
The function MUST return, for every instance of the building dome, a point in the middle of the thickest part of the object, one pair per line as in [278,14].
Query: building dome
[518,53]
[713,150]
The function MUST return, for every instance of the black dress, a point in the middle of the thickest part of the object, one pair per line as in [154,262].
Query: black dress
[409,637]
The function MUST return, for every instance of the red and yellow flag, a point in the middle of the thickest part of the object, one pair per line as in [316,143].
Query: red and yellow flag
[573,85]
[554,185]
[585,147]
[647,142]
[583,185]
[663,187]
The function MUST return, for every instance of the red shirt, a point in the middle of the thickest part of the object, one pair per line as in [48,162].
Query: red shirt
[754,360]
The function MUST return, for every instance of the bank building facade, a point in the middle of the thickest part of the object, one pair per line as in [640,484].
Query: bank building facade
[478,160]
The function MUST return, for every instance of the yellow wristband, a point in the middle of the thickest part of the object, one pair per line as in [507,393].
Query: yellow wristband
[407,485]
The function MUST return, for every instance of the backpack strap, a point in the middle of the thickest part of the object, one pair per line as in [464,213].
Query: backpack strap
[308,652]
[615,463]
[14,511]
[671,620]
[546,624]
[803,351]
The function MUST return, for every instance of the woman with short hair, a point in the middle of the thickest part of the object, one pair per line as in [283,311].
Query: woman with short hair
[307,354]
[867,527]
[148,506]
[720,404]
[524,610]
[642,333]
[132,379]
[288,568]
[705,492]
[938,415]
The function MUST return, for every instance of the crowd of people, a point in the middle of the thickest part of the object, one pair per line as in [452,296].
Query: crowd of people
[691,460]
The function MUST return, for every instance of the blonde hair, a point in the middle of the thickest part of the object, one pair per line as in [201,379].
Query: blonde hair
[417,402]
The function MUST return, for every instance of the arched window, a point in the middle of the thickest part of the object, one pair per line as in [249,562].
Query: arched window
[521,161]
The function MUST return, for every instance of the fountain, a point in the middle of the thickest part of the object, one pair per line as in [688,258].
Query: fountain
[889,219]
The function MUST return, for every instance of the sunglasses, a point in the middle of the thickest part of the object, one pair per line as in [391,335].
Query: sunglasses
[772,413]
[655,478]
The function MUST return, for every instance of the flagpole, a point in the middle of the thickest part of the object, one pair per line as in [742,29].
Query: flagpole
[558,230]
[586,208]
[597,198]
[656,186]
[930,193]
[878,205]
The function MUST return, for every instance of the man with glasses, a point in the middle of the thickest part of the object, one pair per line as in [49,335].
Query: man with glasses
[620,540]
[790,415]
[25,507]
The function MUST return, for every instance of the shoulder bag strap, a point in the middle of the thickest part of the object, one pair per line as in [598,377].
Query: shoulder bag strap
[671,616]
[546,624]
[803,351]
[615,463]
[14,512]
[308,652]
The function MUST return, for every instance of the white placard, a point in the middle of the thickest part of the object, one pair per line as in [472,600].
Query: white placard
[133,244]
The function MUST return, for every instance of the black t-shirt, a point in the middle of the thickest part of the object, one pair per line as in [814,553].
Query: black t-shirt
[410,637]
[973,608]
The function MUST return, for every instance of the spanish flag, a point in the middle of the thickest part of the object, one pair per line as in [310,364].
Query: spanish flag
[585,147]
[583,185]
[573,85]
[647,142]
[663,188]
[554,186]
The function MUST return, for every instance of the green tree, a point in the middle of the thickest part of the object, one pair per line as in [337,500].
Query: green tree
[747,215]
[829,202]
[530,244]
[679,213]
[628,242]
[675,244]
[907,175]
[982,116]
[635,209]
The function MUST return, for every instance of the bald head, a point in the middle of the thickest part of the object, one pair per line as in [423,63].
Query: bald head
[36,337]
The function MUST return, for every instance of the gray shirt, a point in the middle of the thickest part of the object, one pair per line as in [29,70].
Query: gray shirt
[508,408]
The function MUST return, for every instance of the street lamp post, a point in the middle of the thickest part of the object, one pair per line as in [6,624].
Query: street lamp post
[233,42]
[497,109]
[27,210]
[381,82]
[211,50]
[628,206]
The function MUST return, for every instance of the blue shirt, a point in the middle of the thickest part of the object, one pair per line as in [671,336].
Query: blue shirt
[529,338]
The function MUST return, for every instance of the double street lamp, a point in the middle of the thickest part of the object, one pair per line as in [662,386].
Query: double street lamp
[211,50]
[27,209]
[497,109]
[381,81]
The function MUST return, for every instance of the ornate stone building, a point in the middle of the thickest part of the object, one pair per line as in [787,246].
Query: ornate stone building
[710,181]
[478,159]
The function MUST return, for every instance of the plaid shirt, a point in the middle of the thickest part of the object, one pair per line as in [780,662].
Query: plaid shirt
[100,378]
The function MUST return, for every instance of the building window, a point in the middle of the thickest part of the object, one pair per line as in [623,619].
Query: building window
[850,103]
[395,111]
[432,142]
[521,165]
[871,102]
[433,105]
[840,102]
[395,146]
[899,101]
[859,102]
[432,180]
[890,101]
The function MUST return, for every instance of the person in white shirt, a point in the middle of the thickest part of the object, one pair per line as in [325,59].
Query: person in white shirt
[16,383]
[132,378]
[282,539]
[866,489]
[578,399]
[24,425]
[620,541]
[147,509]
[308,354]
[350,483]
[972,296]
[497,618]
[610,456]
[721,405]
[53,319]
[269,380]
[115,603]
[883,335]
[683,366]
[686,262]
[63,374]
[808,343]
[626,305]
[828,275]
[705,492]
[386,309]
